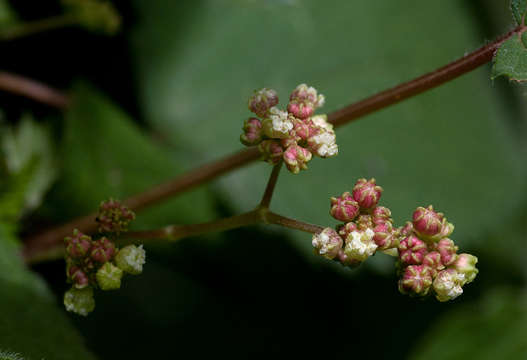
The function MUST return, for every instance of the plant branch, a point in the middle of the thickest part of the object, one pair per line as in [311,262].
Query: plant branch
[30,28]
[269,190]
[276,219]
[40,242]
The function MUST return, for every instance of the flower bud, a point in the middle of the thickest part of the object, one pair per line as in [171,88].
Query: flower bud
[346,260]
[447,249]
[446,230]
[300,109]
[277,124]
[321,121]
[77,246]
[327,243]
[345,229]
[103,250]
[360,245]
[447,284]
[109,276]
[271,151]
[114,216]
[433,261]
[416,280]
[262,100]
[295,158]
[323,144]
[78,277]
[79,301]
[307,94]
[304,129]
[427,222]
[252,132]
[366,193]
[407,229]
[412,250]
[131,259]
[466,264]
[384,236]
[364,222]
[344,208]
[381,214]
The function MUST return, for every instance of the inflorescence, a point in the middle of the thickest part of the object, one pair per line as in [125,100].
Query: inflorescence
[428,262]
[98,263]
[294,135]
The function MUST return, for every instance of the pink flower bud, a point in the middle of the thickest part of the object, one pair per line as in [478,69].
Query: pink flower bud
[346,260]
[346,229]
[427,222]
[78,277]
[407,229]
[300,110]
[262,100]
[327,243]
[384,235]
[252,132]
[433,261]
[412,250]
[447,249]
[114,216]
[344,208]
[77,246]
[103,250]
[295,158]
[416,280]
[447,284]
[366,193]
[364,222]
[466,264]
[446,230]
[307,94]
[381,214]
[304,128]
[271,151]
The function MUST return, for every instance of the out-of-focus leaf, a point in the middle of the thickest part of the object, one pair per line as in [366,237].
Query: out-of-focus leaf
[31,323]
[7,15]
[511,59]
[197,64]
[519,9]
[493,329]
[105,155]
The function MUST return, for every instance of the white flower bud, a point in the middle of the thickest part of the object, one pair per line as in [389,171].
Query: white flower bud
[79,301]
[131,259]
[360,245]
[277,125]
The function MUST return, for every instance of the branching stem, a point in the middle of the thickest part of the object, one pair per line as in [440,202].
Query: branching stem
[30,28]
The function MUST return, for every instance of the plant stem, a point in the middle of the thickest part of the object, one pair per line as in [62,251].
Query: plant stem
[276,219]
[30,28]
[269,190]
[40,242]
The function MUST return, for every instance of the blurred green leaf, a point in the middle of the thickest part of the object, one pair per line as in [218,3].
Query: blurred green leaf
[31,323]
[7,15]
[197,64]
[105,155]
[511,59]
[494,328]
[519,9]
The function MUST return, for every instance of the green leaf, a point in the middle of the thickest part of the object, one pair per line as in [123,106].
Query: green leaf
[494,328]
[105,155]
[448,147]
[511,59]
[7,15]
[31,323]
[519,9]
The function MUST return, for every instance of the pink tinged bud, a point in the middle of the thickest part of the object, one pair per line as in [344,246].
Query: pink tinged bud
[77,246]
[427,222]
[447,284]
[271,151]
[344,208]
[466,264]
[384,236]
[262,100]
[433,261]
[407,229]
[412,250]
[103,250]
[416,280]
[346,229]
[78,277]
[364,222]
[304,129]
[300,110]
[307,94]
[114,216]
[381,214]
[367,193]
[327,243]
[252,132]
[346,260]
[447,249]
[296,158]
[323,144]
[321,122]
[446,230]
[360,245]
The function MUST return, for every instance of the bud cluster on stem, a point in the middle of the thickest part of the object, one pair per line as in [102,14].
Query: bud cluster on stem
[293,136]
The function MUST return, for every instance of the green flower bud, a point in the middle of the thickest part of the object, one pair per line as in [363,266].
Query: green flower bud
[109,276]
[466,264]
[79,301]
[131,259]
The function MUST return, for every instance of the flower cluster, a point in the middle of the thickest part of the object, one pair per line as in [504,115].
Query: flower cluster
[98,263]
[428,261]
[293,136]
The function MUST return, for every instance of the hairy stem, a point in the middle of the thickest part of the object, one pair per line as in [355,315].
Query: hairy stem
[42,241]
[30,28]
[269,190]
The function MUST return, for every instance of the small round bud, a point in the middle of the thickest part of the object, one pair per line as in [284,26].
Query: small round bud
[344,208]
[346,260]
[114,216]
[79,301]
[447,284]
[446,230]
[384,236]
[296,158]
[381,214]
[78,277]
[412,250]
[131,259]
[407,229]
[77,246]
[367,193]
[466,264]
[307,94]
[364,222]
[323,144]
[103,250]
[321,121]
[360,245]
[252,132]
[345,229]
[433,261]
[327,243]
[304,129]
[427,222]
[277,124]
[109,276]
[271,151]
[262,100]
[416,280]
[300,109]
[447,249]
